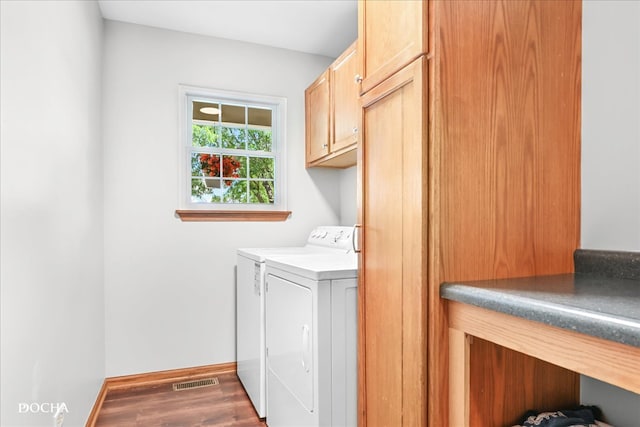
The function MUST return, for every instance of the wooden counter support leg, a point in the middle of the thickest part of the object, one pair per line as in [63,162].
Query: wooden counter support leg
[458,378]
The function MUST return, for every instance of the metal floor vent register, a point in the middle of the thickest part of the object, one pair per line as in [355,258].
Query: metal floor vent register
[187,385]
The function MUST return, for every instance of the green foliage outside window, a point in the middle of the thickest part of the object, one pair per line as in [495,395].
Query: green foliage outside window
[232,178]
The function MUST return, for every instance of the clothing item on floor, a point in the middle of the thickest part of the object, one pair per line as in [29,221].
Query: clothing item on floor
[582,416]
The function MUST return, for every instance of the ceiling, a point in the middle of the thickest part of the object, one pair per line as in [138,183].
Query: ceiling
[321,27]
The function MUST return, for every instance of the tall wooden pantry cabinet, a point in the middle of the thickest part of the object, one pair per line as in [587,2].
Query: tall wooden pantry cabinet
[469,168]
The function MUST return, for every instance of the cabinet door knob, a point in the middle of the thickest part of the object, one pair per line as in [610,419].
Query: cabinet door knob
[325,145]
[355,129]
[358,78]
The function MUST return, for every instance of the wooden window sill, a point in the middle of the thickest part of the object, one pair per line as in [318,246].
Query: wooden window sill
[202,215]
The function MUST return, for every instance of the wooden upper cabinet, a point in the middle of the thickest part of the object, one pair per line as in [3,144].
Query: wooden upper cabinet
[317,118]
[333,114]
[391,34]
[346,110]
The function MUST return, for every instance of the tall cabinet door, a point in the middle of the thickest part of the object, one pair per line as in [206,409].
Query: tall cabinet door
[346,108]
[392,289]
[391,34]
[317,118]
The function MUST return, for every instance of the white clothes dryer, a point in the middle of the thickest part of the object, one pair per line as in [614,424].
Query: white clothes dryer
[311,303]
[250,304]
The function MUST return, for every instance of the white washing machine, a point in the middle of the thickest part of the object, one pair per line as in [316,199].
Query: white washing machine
[250,304]
[311,303]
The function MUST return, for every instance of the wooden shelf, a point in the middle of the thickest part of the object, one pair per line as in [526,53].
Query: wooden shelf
[569,351]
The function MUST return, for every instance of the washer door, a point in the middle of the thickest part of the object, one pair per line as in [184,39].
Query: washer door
[290,334]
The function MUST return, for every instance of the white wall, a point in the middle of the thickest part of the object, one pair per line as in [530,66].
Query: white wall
[348,194]
[170,285]
[611,125]
[611,156]
[51,258]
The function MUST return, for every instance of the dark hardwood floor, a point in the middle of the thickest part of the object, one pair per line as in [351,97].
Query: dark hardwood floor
[225,404]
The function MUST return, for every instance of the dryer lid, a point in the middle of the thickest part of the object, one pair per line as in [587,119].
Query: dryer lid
[317,267]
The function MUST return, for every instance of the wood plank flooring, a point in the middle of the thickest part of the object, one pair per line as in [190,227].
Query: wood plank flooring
[222,405]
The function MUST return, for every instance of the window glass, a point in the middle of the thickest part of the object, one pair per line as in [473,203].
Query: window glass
[233,152]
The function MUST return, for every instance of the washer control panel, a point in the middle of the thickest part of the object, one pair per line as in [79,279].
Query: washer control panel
[337,237]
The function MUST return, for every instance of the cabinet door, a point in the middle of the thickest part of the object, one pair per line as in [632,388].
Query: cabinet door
[346,109]
[317,121]
[391,35]
[392,289]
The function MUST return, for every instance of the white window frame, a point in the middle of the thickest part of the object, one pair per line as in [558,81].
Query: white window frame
[278,106]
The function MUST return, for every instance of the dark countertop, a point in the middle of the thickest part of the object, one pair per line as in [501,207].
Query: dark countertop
[603,307]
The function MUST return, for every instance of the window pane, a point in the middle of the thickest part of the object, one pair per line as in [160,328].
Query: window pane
[234,166]
[259,117]
[202,193]
[205,165]
[259,140]
[234,138]
[206,111]
[261,192]
[211,182]
[205,135]
[234,148]
[196,166]
[261,167]
[235,191]
[234,115]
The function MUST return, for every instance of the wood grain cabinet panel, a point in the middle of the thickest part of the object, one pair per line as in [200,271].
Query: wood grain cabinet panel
[391,34]
[392,274]
[345,103]
[317,118]
[469,168]
[507,134]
